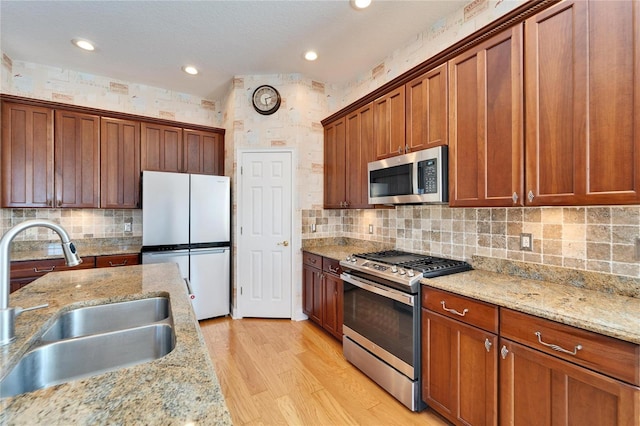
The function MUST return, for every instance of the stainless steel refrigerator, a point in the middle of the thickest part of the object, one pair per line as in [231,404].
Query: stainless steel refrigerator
[186,219]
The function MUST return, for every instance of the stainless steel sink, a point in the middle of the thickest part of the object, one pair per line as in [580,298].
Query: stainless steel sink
[92,340]
[104,318]
[65,360]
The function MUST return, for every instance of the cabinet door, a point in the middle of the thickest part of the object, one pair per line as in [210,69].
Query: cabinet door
[77,160]
[359,152]
[459,370]
[389,124]
[582,101]
[334,165]
[120,164]
[332,314]
[203,152]
[485,123]
[538,389]
[427,110]
[312,293]
[161,148]
[27,156]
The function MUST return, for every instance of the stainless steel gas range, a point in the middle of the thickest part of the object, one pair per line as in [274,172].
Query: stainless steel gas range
[382,317]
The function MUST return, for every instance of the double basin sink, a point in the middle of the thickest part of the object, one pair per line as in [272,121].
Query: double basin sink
[92,340]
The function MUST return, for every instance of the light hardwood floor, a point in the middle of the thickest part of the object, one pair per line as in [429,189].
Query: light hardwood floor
[282,372]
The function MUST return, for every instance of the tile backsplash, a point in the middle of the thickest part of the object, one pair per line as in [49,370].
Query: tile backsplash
[599,239]
[79,223]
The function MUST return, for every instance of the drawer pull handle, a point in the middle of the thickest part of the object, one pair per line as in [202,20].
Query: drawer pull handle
[44,270]
[453,311]
[312,260]
[118,264]
[556,347]
[335,271]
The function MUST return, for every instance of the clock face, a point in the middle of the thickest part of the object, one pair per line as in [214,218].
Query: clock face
[266,100]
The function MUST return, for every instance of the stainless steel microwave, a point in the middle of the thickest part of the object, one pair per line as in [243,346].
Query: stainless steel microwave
[417,177]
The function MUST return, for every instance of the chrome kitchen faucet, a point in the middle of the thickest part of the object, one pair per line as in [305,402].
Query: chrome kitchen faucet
[7,314]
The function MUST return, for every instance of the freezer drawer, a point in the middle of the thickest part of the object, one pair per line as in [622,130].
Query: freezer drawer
[210,281]
[181,257]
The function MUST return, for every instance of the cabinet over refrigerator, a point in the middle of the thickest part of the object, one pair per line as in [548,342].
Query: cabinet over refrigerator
[186,219]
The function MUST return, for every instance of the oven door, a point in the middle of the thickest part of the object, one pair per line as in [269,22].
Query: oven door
[382,320]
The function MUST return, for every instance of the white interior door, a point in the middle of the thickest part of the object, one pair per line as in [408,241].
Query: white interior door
[265,255]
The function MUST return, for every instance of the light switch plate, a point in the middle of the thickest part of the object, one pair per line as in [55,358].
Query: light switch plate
[370,229]
[127,227]
[637,256]
[313,227]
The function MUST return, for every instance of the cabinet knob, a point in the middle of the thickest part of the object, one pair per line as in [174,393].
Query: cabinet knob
[406,149]
[487,344]
[399,150]
[515,197]
[530,196]
[504,352]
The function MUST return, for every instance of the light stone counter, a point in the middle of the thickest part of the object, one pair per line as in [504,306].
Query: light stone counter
[605,313]
[180,388]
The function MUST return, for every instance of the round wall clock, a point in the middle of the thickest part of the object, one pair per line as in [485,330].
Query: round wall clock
[266,100]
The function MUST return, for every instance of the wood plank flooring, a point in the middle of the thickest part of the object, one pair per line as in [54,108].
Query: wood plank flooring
[282,372]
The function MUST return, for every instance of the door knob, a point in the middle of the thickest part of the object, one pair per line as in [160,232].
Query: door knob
[284,243]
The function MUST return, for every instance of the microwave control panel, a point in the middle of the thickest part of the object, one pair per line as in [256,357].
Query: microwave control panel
[428,171]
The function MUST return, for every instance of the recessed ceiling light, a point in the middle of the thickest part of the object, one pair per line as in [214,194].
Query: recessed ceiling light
[311,55]
[83,44]
[190,69]
[360,4]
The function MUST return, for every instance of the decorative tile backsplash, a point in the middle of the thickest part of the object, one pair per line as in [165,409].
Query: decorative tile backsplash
[79,223]
[599,239]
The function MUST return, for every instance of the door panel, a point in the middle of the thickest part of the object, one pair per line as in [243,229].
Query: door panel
[265,237]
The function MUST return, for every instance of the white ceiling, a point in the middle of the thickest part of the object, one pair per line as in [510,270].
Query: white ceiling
[149,41]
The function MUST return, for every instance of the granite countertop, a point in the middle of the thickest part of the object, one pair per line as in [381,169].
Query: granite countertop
[605,313]
[39,250]
[179,388]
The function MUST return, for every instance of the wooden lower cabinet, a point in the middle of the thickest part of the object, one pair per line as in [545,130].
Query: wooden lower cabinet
[322,292]
[459,370]
[25,271]
[539,389]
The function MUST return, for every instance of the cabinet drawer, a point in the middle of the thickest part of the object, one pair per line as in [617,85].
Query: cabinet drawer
[473,312]
[331,265]
[607,355]
[117,260]
[37,268]
[312,260]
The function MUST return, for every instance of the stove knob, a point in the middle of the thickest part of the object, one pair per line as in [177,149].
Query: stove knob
[353,259]
[410,273]
[348,258]
[394,269]
[402,271]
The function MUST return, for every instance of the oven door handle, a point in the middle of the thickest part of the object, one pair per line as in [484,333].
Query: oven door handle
[404,298]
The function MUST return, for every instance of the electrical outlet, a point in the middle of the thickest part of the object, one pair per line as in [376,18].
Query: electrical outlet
[637,257]
[127,227]
[370,229]
[313,227]
[526,242]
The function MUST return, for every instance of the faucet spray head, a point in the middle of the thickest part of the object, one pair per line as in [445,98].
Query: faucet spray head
[71,254]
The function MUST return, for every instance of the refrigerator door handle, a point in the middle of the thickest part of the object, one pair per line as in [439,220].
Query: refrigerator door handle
[189,291]
[209,250]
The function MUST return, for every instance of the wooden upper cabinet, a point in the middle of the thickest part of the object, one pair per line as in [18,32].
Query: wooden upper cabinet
[162,148]
[77,160]
[359,152]
[27,156]
[389,124]
[120,163]
[485,123]
[203,152]
[582,102]
[334,164]
[427,110]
